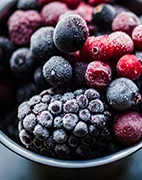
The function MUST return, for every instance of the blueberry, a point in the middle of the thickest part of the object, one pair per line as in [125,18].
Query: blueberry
[96,106]
[58,123]
[71,106]
[73,141]
[70,33]
[29,122]
[84,114]
[60,136]
[56,97]
[45,119]
[122,94]
[82,101]
[23,110]
[27,5]
[79,92]
[37,143]
[67,96]
[42,45]
[55,107]
[62,150]
[93,130]
[103,15]
[40,132]
[39,79]
[57,71]
[22,63]
[70,121]
[34,100]
[80,129]
[39,108]
[46,98]
[49,143]
[92,94]
[25,137]
[99,121]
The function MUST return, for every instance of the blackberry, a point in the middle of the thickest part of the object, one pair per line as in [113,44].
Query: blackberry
[65,126]
[42,45]
[26,5]
[57,71]
[22,63]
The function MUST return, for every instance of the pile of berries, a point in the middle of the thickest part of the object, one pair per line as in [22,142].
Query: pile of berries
[84,60]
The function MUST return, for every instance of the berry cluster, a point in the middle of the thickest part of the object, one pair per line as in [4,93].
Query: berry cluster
[85,56]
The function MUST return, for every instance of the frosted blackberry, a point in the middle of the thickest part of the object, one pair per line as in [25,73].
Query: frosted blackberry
[70,121]
[71,125]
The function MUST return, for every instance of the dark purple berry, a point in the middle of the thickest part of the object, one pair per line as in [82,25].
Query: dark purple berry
[29,122]
[85,115]
[25,137]
[45,119]
[23,110]
[39,108]
[49,143]
[46,98]
[80,129]
[58,122]
[67,96]
[55,107]
[62,150]
[70,121]
[60,136]
[34,100]
[92,94]
[96,106]
[82,101]
[71,106]
[40,132]
[73,141]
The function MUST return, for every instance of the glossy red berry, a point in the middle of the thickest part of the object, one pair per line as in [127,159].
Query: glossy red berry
[97,48]
[98,75]
[137,37]
[129,66]
[123,44]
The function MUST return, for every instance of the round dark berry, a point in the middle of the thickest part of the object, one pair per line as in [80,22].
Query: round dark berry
[46,98]
[98,75]
[62,150]
[67,96]
[84,114]
[71,106]
[82,101]
[23,110]
[56,97]
[70,33]
[122,94]
[25,137]
[99,121]
[42,45]
[29,122]
[49,143]
[79,92]
[26,5]
[39,108]
[55,107]
[70,121]
[73,141]
[103,15]
[57,71]
[60,136]
[92,94]
[45,119]
[80,129]
[40,79]
[93,131]
[22,63]
[34,100]
[40,132]
[96,106]
[58,122]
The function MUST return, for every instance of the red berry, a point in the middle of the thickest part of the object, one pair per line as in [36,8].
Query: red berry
[85,11]
[72,4]
[96,2]
[129,66]
[128,128]
[98,75]
[44,2]
[52,11]
[137,37]
[126,22]
[123,44]
[22,24]
[97,48]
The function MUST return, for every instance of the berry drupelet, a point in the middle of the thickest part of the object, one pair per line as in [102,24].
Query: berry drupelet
[71,129]
[42,45]
[70,33]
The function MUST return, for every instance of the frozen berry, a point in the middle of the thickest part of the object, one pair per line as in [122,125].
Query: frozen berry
[130,67]
[97,48]
[71,106]
[80,129]
[82,101]
[42,45]
[70,121]
[96,106]
[40,79]
[29,122]
[122,94]
[22,63]
[45,119]
[127,128]
[60,136]
[103,15]
[137,37]
[22,24]
[138,54]
[119,9]
[123,44]
[55,107]
[38,108]
[41,132]
[26,5]
[67,96]
[34,100]
[126,22]
[85,11]
[44,2]
[52,11]
[70,33]
[92,94]
[58,122]
[96,2]
[25,137]
[57,71]
[72,4]
[85,115]
[98,75]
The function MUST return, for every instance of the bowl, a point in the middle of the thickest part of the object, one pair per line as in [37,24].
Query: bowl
[5,6]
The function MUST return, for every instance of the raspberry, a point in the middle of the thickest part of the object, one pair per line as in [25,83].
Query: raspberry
[96,2]
[129,66]
[97,48]
[126,22]
[26,5]
[70,33]
[123,44]
[127,128]
[22,63]
[103,15]
[98,75]
[85,11]
[52,11]
[42,45]
[72,133]
[122,94]
[137,37]
[57,71]
[22,24]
